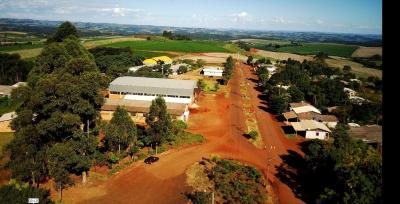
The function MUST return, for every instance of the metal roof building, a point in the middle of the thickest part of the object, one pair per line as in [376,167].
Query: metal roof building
[156,86]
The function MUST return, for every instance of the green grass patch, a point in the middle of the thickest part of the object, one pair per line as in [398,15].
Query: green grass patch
[10,48]
[331,49]
[187,138]
[148,54]
[5,138]
[233,181]
[172,45]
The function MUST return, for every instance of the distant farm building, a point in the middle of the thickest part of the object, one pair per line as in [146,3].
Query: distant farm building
[212,71]
[5,90]
[136,94]
[5,121]
[155,60]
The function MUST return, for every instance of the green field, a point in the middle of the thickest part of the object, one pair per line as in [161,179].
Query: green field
[20,47]
[172,45]
[5,138]
[332,49]
[148,54]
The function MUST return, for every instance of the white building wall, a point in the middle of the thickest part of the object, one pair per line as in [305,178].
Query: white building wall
[312,134]
[167,99]
[211,73]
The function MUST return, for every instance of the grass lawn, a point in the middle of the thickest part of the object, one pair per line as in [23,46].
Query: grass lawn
[172,45]
[5,138]
[332,49]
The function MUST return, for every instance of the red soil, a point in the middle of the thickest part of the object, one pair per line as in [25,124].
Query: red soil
[221,121]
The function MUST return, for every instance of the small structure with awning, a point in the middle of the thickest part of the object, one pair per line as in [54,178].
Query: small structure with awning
[311,129]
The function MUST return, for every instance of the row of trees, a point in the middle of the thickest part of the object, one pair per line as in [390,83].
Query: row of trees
[13,69]
[58,108]
[228,69]
[345,171]
[115,61]
[172,36]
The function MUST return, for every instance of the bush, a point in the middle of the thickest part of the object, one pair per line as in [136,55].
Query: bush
[100,159]
[113,158]
[19,194]
[253,134]
[200,197]
[201,84]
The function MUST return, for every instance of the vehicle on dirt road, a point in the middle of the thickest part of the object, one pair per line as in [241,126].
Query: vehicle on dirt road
[151,159]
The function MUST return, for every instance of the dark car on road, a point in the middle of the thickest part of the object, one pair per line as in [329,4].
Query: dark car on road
[150,160]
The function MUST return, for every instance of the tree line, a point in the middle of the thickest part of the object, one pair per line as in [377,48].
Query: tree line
[321,85]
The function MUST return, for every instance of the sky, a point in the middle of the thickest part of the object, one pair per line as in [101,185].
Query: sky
[341,16]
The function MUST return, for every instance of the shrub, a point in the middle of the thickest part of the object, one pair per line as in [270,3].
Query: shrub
[112,158]
[200,197]
[253,134]
[12,193]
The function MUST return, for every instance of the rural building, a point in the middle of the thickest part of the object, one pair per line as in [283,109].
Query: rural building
[350,92]
[329,120]
[5,90]
[136,94]
[175,68]
[303,107]
[5,121]
[283,86]
[271,69]
[135,68]
[212,71]
[154,60]
[370,134]
[311,129]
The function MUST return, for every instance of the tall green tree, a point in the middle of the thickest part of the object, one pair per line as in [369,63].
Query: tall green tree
[65,30]
[159,121]
[278,104]
[121,131]
[13,69]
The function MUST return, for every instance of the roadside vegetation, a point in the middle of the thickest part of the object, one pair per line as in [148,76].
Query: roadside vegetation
[345,171]
[229,181]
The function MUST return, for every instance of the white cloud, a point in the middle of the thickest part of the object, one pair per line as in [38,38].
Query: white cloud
[242,14]
[319,21]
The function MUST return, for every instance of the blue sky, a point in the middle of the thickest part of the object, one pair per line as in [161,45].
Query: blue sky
[343,16]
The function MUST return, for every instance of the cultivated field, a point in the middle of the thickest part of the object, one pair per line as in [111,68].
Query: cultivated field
[212,57]
[264,42]
[173,45]
[338,62]
[104,41]
[367,51]
[332,49]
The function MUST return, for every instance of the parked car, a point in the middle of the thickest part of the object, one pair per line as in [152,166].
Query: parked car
[151,159]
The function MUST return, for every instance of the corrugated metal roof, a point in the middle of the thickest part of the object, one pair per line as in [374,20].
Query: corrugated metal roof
[153,86]
[304,109]
[309,125]
[136,106]
[8,116]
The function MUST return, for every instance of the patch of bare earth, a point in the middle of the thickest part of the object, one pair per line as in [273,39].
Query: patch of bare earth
[367,51]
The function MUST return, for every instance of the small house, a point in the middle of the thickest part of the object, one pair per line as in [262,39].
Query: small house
[311,129]
[213,71]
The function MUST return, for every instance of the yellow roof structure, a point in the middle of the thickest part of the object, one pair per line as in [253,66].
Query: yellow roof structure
[149,62]
[165,59]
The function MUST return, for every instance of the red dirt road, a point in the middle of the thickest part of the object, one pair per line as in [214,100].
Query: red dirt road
[221,120]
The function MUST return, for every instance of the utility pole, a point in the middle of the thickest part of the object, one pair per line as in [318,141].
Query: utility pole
[212,197]
[156,148]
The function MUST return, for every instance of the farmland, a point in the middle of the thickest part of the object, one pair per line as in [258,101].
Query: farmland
[332,49]
[173,45]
